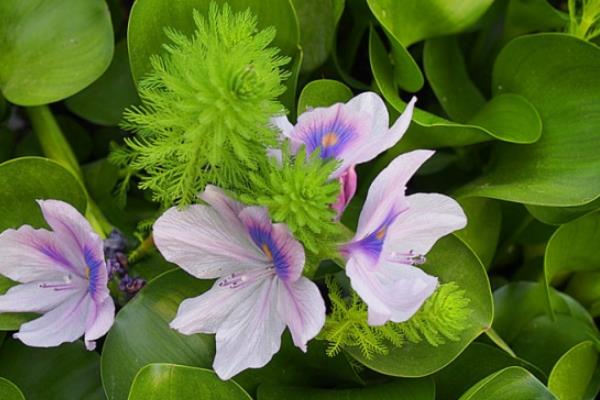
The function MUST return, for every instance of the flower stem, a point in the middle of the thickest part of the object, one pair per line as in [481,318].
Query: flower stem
[56,147]
[142,250]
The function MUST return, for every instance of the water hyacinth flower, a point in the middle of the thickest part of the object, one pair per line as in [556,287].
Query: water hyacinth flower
[394,233]
[62,275]
[353,133]
[259,289]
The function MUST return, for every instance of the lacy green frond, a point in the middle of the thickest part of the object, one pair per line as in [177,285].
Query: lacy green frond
[206,105]
[442,318]
[584,18]
[297,191]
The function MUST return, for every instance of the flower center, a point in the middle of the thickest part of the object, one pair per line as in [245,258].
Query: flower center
[267,251]
[329,139]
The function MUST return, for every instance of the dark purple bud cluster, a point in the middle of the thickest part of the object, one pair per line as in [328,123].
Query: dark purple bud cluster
[117,263]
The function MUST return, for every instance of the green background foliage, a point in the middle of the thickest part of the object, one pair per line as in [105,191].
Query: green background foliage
[508,96]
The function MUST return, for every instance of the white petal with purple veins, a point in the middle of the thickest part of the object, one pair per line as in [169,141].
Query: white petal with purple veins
[302,308]
[40,296]
[386,193]
[205,313]
[65,323]
[200,241]
[429,217]
[251,334]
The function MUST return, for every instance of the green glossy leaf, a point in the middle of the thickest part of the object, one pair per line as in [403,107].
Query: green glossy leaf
[65,372]
[483,227]
[561,215]
[509,384]
[451,261]
[518,303]
[573,247]
[178,382]
[9,391]
[508,117]
[25,180]
[543,341]
[556,73]
[145,34]
[573,372]
[323,93]
[447,74]
[51,49]
[141,333]
[585,288]
[525,16]
[104,100]
[401,389]
[407,74]
[475,363]
[411,21]
[318,20]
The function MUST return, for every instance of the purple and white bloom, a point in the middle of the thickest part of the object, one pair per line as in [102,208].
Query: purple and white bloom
[62,275]
[353,133]
[260,288]
[394,233]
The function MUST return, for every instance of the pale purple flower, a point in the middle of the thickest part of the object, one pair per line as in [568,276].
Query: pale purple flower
[260,288]
[353,133]
[62,275]
[394,233]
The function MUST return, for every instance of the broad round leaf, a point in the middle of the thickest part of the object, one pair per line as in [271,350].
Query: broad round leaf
[561,215]
[9,391]
[573,374]
[411,21]
[475,363]
[447,74]
[511,117]
[58,373]
[400,389]
[52,49]
[558,74]
[573,247]
[509,384]
[451,261]
[323,93]
[178,382]
[141,333]
[318,21]
[103,101]
[25,180]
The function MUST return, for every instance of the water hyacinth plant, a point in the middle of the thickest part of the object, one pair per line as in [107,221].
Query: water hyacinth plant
[299,199]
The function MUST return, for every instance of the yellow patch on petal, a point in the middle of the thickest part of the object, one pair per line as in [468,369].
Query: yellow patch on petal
[380,234]
[267,251]
[329,139]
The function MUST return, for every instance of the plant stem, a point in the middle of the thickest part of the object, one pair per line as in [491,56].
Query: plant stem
[56,148]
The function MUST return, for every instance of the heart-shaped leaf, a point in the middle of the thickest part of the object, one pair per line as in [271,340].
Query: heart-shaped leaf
[178,382]
[573,376]
[9,391]
[52,49]
[509,383]
[573,247]
[557,74]
[323,93]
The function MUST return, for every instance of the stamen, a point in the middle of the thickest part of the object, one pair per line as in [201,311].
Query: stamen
[237,279]
[409,258]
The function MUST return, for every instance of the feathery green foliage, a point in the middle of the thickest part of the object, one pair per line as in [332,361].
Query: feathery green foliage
[442,317]
[584,18]
[298,191]
[205,108]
